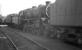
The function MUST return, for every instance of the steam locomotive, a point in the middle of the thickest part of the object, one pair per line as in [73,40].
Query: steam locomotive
[66,17]
[63,15]
[0,21]
[26,15]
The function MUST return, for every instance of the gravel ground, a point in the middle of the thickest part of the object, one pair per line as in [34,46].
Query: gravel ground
[21,42]
[5,43]
[44,42]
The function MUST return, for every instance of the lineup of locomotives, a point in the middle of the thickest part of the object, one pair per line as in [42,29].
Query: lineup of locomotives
[30,15]
[64,15]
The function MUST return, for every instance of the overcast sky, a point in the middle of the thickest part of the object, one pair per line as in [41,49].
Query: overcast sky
[14,6]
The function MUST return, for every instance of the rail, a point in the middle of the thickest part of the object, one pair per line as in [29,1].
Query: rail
[7,37]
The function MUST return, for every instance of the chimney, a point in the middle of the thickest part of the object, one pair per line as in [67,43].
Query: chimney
[47,3]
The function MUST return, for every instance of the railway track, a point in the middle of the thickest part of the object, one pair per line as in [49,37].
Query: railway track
[6,42]
[22,43]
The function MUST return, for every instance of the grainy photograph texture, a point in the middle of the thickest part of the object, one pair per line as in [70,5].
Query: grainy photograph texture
[40,24]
